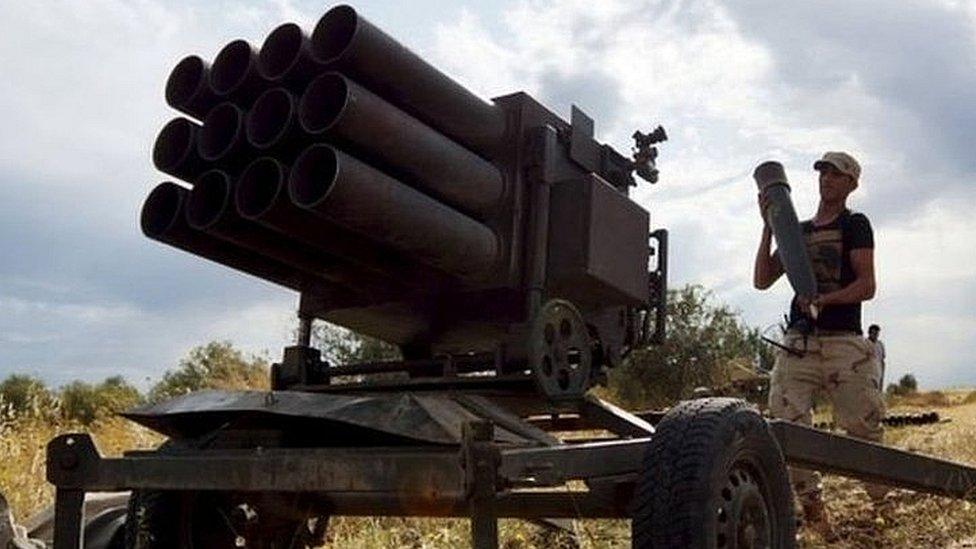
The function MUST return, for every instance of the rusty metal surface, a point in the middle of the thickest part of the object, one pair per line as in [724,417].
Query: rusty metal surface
[810,448]
[556,465]
[435,419]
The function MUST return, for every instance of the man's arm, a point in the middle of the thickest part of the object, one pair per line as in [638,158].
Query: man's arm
[767,269]
[863,286]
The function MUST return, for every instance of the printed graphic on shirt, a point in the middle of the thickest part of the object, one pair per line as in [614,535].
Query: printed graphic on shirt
[825,248]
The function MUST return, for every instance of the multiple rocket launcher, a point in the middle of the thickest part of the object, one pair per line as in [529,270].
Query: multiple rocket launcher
[344,166]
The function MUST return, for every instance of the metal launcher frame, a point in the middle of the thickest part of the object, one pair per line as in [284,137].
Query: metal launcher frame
[493,242]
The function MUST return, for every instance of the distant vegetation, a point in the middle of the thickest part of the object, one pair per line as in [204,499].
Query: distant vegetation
[705,341]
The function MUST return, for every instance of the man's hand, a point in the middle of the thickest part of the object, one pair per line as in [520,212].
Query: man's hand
[763,202]
[811,305]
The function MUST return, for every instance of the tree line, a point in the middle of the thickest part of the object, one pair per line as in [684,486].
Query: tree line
[707,341]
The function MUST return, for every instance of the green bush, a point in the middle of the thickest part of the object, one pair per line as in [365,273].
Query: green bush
[216,365]
[704,341]
[26,396]
[86,403]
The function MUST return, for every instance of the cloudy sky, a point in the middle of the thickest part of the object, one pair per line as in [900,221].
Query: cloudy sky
[84,295]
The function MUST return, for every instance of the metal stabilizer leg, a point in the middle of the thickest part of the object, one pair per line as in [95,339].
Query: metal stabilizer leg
[481,468]
[69,511]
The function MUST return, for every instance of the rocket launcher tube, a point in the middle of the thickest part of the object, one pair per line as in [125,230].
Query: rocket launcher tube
[210,209]
[188,87]
[345,41]
[781,217]
[335,107]
[163,219]
[261,195]
[361,198]
[286,57]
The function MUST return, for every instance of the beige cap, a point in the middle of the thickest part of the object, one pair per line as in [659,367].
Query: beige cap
[844,163]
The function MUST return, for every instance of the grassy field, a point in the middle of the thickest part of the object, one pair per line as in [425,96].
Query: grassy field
[904,520]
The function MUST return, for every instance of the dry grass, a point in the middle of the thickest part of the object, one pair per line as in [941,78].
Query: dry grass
[905,520]
[22,451]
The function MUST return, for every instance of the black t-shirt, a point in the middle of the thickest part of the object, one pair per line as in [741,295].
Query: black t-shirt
[829,247]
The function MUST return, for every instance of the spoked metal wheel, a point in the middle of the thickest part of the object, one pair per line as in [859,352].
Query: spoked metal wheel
[560,351]
[742,513]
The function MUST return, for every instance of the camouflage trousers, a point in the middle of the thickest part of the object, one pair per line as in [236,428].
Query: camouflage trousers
[845,370]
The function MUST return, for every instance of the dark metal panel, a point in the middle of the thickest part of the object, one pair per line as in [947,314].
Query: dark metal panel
[813,449]
[435,419]
[598,244]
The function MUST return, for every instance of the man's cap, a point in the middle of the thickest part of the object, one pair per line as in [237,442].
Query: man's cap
[844,163]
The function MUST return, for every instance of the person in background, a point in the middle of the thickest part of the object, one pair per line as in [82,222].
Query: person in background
[874,331]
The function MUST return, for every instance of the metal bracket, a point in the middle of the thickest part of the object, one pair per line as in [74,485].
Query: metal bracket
[481,460]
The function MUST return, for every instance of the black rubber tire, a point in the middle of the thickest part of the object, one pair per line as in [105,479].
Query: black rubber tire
[714,477]
[192,520]
[169,519]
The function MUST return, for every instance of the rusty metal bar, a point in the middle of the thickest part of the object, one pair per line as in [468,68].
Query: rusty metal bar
[337,108]
[813,449]
[73,463]
[481,470]
[69,515]
[556,465]
[614,419]
[345,41]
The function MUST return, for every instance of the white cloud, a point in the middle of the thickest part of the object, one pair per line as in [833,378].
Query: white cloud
[734,83]
[729,100]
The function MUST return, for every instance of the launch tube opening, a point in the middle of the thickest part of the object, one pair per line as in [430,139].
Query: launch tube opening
[259,187]
[230,67]
[160,209]
[186,79]
[323,101]
[268,119]
[281,51]
[333,33]
[221,128]
[313,175]
[173,144]
[208,199]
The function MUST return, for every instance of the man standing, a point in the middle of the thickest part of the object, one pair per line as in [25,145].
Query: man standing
[874,332]
[828,354]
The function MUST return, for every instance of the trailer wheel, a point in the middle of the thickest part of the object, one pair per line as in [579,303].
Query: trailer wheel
[713,477]
[194,520]
[158,519]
